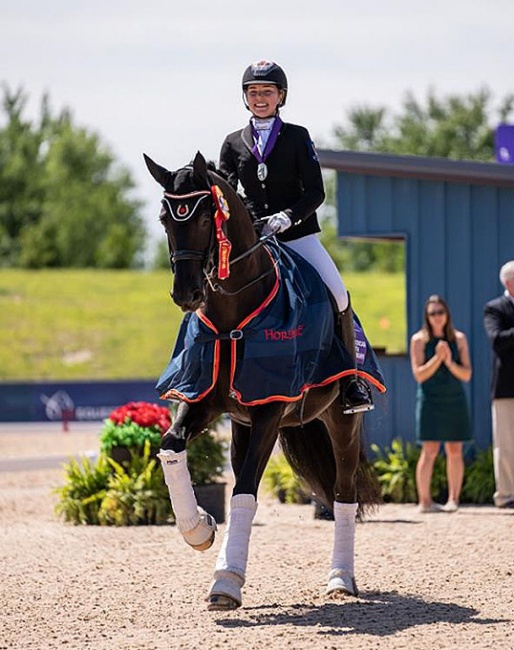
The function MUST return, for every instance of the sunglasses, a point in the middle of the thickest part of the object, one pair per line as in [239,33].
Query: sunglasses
[436,312]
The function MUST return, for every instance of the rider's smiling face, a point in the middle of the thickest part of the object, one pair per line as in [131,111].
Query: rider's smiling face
[263,99]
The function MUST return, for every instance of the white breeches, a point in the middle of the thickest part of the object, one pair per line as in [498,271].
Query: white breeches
[311,249]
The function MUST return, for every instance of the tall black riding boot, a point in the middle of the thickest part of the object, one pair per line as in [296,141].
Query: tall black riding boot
[355,394]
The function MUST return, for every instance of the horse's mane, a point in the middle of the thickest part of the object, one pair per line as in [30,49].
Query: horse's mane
[211,166]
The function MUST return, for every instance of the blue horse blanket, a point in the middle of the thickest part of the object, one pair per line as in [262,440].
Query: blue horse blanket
[278,352]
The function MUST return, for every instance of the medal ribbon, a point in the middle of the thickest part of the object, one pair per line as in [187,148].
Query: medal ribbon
[224,245]
[269,144]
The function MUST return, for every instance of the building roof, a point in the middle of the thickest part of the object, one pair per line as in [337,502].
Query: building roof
[442,169]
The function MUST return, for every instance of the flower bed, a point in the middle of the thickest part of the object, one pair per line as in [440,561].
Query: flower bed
[132,424]
[125,486]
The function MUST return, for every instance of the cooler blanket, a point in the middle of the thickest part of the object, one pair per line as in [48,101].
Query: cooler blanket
[279,351]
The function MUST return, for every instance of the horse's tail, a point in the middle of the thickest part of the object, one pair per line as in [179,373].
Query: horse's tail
[309,452]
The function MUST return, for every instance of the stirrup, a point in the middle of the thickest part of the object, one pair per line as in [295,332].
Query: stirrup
[363,407]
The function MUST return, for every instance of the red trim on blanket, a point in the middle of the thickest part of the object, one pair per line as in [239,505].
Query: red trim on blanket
[283,398]
[170,394]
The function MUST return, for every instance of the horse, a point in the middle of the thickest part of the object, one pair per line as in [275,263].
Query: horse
[224,273]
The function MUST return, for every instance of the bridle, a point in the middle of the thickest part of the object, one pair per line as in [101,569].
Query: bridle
[184,211]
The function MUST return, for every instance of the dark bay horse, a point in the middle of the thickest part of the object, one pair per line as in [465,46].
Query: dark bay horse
[223,273]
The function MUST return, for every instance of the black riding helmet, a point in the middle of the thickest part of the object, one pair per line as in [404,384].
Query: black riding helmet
[265,72]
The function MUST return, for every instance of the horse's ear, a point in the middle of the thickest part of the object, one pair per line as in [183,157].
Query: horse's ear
[200,169]
[161,174]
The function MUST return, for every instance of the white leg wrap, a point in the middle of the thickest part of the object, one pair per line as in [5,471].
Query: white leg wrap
[341,576]
[230,572]
[178,480]
[233,555]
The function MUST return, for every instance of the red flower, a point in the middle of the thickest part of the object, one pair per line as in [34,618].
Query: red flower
[144,414]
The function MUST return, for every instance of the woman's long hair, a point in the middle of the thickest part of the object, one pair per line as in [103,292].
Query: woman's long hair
[449,330]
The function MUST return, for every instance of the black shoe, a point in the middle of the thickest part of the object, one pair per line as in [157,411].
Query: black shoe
[355,396]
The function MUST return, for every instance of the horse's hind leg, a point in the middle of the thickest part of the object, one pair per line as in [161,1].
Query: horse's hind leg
[344,431]
[341,577]
[196,526]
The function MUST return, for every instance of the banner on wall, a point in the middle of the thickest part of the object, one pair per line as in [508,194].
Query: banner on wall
[70,401]
[504,143]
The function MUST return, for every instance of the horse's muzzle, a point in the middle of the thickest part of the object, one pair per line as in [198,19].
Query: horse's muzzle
[191,301]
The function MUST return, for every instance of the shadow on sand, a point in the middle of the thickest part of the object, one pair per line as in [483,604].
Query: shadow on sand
[372,613]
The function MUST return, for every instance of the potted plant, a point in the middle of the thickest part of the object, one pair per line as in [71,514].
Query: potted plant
[282,481]
[126,484]
[128,427]
[107,493]
[396,470]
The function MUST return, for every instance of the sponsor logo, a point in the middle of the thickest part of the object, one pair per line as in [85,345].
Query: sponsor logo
[60,406]
[283,335]
[261,67]
[360,345]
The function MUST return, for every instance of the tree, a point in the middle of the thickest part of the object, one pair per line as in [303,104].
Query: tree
[63,200]
[161,258]
[449,127]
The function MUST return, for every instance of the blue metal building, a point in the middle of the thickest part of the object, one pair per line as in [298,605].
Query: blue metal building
[457,220]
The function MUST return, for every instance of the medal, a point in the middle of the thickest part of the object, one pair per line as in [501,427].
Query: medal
[262,171]
[262,155]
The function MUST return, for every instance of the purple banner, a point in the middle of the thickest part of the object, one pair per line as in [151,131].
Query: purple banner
[504,143]
[360,344]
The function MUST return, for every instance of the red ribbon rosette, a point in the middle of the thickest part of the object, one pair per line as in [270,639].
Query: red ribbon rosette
[224,245]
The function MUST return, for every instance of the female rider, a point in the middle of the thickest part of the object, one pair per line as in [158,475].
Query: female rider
[278,169]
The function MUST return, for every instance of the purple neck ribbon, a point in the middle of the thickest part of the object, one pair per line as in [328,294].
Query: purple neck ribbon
[272,138]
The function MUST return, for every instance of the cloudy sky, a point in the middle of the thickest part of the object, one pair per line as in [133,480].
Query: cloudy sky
[164,77]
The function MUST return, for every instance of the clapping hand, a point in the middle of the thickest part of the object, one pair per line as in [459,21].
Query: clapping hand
[443,352]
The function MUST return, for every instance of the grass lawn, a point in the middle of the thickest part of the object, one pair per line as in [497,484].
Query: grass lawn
[91,324]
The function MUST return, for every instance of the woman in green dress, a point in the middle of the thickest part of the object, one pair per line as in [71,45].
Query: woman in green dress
[440,364]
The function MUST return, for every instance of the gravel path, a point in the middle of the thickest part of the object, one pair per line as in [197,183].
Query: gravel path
[427,581]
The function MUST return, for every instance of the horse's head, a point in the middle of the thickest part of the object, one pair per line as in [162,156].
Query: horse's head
[188,215]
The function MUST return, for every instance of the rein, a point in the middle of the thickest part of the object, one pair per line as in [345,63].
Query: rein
[218,288]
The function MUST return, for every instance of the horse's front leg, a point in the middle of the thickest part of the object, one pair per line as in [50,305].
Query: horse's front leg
[197,527]
[250,452]
[344,431]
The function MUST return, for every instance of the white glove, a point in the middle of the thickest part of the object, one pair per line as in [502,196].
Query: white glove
[277,223]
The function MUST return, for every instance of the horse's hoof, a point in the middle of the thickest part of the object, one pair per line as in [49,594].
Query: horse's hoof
[204,545]
[201,537]
[225,592]
[341,583]
[221,603]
